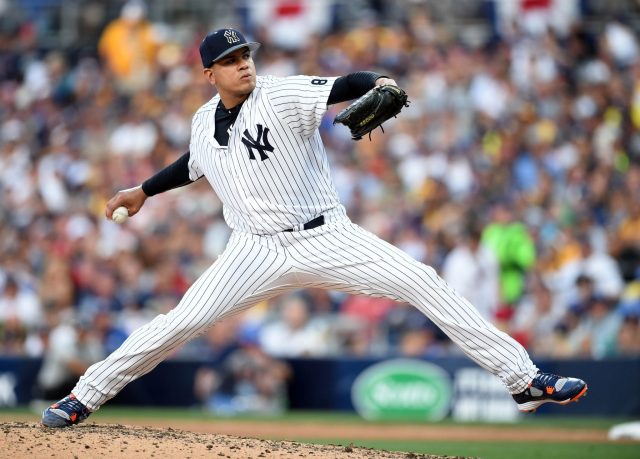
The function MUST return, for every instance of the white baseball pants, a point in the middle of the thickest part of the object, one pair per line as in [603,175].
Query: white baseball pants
[338,256]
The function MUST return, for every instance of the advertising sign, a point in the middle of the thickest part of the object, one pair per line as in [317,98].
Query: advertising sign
[402,389]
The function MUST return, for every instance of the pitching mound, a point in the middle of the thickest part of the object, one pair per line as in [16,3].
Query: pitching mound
[22,439]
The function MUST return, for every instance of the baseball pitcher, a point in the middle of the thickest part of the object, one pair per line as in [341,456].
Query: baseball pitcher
[257,143]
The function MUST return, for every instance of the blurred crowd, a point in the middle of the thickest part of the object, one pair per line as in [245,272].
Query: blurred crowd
[515,172]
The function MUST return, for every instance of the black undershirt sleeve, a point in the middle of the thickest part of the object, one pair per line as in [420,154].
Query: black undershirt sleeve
[352,86]
[173,176]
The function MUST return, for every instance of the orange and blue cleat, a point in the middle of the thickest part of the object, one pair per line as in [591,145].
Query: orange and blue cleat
[549,388]
[65,413]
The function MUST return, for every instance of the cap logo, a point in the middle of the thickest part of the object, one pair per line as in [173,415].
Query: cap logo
[231,36]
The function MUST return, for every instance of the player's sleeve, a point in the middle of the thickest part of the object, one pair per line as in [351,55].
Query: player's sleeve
[173,176]
[194,170]
[301,101]
[352,86]
[196,145]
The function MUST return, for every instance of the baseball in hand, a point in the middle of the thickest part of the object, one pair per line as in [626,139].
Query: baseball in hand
[120,215]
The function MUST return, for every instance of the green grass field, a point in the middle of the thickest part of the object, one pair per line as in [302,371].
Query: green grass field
[486,449]
[497,450]
[335,417]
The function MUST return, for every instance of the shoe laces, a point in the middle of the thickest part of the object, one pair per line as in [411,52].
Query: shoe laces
[546,379]
[73,405]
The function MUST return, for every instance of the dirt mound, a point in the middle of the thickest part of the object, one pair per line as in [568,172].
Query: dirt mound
[23,439]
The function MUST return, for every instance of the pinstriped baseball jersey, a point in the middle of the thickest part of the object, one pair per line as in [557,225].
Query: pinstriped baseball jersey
[274,174]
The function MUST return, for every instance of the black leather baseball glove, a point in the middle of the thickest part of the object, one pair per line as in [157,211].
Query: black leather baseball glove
[372,109]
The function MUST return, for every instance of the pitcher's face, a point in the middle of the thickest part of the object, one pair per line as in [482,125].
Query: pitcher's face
[233,75]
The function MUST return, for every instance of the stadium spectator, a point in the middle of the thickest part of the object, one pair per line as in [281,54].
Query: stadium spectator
[515,251]
[128,46]
[247,381]
[629,336]
[599,267]
[294,332]
[536,317]
[597,332]
[72,348]
[472,269]
[20,303]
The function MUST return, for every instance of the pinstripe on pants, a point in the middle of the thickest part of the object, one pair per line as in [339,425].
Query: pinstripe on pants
[338,256]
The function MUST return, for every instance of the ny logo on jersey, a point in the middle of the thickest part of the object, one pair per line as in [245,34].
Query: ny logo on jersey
[231,36]
[261,144]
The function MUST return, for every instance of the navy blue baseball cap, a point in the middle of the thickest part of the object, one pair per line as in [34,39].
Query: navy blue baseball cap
[222,42]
